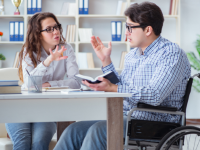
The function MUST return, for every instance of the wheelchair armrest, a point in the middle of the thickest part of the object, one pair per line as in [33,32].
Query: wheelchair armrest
[143,105]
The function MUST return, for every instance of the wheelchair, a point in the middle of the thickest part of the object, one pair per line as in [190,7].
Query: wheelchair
[153,135]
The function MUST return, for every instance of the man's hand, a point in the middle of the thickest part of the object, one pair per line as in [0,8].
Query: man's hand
[105,85]
[46,84]
[103,53]
[56,55]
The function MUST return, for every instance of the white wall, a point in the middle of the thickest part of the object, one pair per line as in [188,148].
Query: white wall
[190,28]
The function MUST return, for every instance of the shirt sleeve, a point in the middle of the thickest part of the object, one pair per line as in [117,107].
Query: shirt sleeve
[168,74]
[72,69]
[27,63]
[111,67]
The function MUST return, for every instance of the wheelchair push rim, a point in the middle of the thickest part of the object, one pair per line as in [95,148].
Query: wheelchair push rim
[188,135]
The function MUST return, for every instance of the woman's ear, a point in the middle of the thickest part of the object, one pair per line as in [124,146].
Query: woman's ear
[40,36]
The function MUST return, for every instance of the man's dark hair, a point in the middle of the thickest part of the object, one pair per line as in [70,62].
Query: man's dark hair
[146,13]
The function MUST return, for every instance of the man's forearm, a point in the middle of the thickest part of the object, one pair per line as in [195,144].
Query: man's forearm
[106,62]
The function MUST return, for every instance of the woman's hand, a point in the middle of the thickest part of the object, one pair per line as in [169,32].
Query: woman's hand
[56,55]
[103,53]
[46,84]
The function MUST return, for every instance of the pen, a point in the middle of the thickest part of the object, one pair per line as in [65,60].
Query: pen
[33,81]
[62,52]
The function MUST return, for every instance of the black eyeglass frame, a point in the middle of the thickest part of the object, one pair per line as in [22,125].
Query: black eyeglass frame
[52,28]
[130,27]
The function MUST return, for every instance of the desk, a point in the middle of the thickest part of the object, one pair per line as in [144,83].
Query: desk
[50,107]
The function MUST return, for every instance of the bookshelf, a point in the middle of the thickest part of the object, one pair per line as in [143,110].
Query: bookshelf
[99,19]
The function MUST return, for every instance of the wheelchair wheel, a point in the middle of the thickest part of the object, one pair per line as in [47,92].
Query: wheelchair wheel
[187,136]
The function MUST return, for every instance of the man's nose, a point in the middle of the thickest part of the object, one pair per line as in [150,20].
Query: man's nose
[127,32]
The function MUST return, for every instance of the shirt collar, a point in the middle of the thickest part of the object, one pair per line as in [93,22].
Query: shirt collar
[152,46]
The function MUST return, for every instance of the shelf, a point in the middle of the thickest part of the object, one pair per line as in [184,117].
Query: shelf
[11,42]
[59,16]
[11,16]
[96,69]
[112,42]
[171,16]
[118,16]
[101,16]
[65,16]
[98,19]
[71,42]
[82,16]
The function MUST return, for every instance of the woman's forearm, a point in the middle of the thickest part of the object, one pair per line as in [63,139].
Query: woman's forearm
[47,62]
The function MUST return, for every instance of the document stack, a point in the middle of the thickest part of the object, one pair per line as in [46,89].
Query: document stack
[173,10]
[70,33]
[16,61]
[16,30]
[34,6]
[121,64]
[85,34]
[121,7]
[68,9]
[9,87]
[85,60]
[116,30]
[83,7]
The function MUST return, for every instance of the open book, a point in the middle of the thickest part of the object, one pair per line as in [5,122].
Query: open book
[54,89]
[108,75]
[76,91]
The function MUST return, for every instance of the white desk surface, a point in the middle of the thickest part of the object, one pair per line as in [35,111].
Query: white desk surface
[59,95]
[56,106]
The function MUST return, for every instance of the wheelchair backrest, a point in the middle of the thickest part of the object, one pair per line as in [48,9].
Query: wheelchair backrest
[187,94]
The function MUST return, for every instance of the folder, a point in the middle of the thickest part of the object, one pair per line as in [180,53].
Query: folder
[21,31]
[29,7]
[119,6]
[39,5]
[34,6]
[113,31]
[81,6]
[16,35]
[12,30]
[119,30]
[85,7]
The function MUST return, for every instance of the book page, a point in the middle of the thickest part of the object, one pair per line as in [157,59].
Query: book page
[85,77]
[59,87]
[102,75]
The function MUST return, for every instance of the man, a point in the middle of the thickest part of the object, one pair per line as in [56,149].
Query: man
[155,72]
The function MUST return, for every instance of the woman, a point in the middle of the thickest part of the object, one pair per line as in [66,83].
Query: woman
[46,54]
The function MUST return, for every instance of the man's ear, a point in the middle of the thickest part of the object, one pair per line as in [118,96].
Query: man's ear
[148,30]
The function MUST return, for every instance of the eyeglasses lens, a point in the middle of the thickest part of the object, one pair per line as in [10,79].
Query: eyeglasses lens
[51,29]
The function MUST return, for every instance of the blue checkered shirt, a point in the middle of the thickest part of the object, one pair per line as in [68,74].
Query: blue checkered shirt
[158,77]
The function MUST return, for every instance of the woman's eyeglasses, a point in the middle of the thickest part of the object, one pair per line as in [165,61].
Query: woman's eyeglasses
[130,27]
[51,29]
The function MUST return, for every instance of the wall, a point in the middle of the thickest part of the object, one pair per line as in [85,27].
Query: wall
[190,24]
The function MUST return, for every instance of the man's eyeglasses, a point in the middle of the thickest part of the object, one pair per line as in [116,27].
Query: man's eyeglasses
[51,29]
[130,27]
